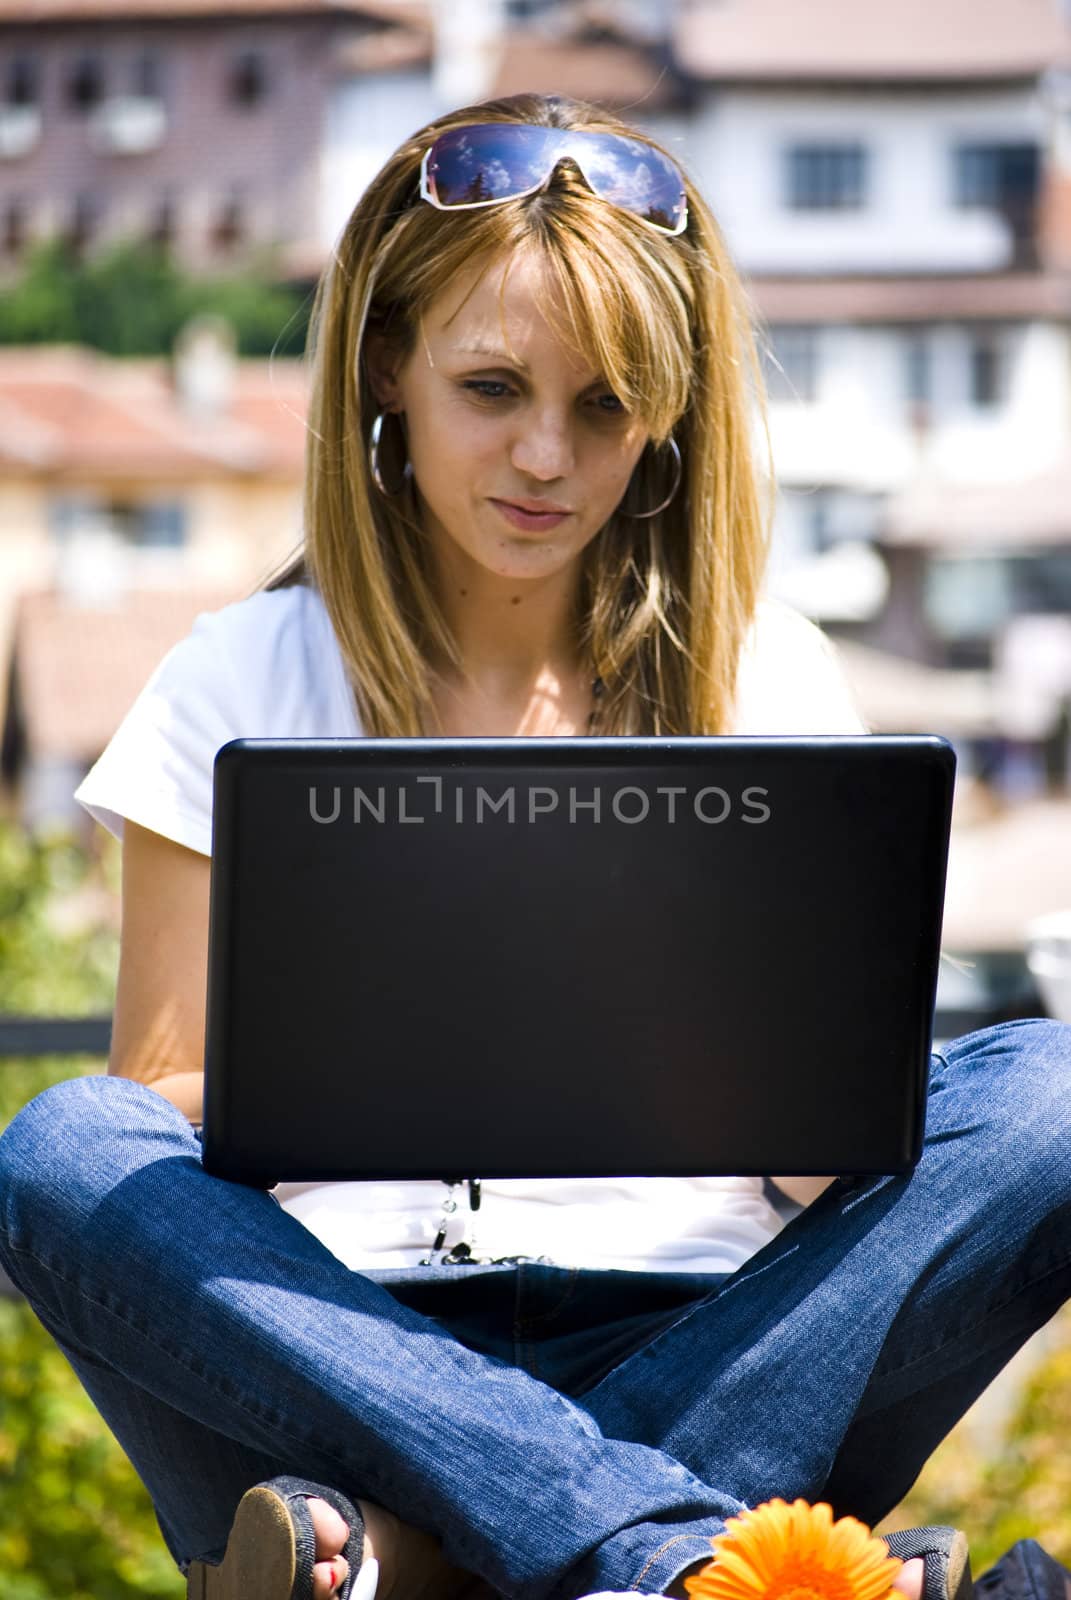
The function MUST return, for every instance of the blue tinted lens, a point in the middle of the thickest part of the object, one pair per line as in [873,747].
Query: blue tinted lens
[488,161]
[485,162]
[633,175]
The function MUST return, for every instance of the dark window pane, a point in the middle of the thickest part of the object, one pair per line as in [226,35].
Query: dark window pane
[85,86]
[146,75]
[162,525]
[23,81]
[1002,176]
[228,230]
[15,231]
[917,367]
[248,80]
[987,364]
[825,177]
[1043,581]
[163,227]
[84,222]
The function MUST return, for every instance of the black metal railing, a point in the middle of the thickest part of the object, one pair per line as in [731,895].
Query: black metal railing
[30,1037]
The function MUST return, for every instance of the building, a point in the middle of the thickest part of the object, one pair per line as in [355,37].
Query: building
[219,135]
[132,494]
[895,182]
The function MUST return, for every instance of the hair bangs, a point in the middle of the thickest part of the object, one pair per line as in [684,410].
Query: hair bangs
[612,295]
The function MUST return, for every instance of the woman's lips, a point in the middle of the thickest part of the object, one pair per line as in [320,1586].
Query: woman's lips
[529,521]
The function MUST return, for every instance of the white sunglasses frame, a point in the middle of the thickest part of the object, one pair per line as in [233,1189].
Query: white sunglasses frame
[566,155]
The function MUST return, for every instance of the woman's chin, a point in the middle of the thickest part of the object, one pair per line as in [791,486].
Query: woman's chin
[527,556]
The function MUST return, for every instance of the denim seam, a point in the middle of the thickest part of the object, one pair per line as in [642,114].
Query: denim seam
[678,1538]
[743,1275]
[524,1325]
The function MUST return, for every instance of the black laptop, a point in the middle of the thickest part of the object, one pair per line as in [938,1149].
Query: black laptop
[459,958]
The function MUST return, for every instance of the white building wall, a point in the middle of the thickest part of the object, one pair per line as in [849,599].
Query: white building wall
[858,432]
[737,144]
[366,120]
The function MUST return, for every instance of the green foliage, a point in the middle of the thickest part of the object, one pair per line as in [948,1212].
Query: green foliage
[74,1519]
[52,963]
[59,944]
[132,299]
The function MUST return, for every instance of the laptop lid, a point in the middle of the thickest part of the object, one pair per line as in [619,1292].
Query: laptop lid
[572,957]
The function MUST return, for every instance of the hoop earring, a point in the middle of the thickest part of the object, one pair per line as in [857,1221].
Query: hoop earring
[373,460]
[678,470]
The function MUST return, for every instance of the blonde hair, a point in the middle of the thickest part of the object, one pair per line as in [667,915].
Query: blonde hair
[664,604]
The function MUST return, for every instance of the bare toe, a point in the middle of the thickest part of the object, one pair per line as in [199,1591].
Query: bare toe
[910,1578]
[328,1577]
[332,1530]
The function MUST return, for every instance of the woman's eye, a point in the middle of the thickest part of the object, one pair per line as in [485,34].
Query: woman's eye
[610,404]
[487,388]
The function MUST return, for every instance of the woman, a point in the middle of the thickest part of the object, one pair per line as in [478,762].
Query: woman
[531,508]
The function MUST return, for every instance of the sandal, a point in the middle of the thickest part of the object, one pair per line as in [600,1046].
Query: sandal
[946,1558]
[271,1549]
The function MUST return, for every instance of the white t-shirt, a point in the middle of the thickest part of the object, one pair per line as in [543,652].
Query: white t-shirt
[269,666]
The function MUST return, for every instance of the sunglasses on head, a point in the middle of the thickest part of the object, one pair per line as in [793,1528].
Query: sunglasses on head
[485,163]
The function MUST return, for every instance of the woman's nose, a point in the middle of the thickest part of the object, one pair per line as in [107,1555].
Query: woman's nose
[543,449]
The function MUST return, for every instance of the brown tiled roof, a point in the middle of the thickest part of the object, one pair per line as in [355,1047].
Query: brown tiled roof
[80,668]
[912,299]
[383,50]
[789,41]
[72,411]
[610,74]
[409,12]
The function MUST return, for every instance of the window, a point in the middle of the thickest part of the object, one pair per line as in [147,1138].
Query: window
[13,227]
[248,84]
[163,224]
[145,78]
[986,367]
[228,230]
[1003,176]
[84,222]
[972,597]
[23,81]
[918,368]
[967,597]
[160,525]
[85,86]
[792,366]
[825,177]
[142,525]
[528,10]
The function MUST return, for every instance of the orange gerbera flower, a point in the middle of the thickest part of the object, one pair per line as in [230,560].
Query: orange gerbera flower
[795,1552]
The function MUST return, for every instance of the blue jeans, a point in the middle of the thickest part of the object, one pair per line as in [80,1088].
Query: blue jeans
[560,1431]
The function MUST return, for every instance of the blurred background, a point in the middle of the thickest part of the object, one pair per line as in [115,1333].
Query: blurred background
[894,182]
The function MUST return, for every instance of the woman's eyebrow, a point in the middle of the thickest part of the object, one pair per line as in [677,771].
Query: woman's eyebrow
[495,353]
[482,348]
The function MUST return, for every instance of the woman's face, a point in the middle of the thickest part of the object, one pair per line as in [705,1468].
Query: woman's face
[520,451]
